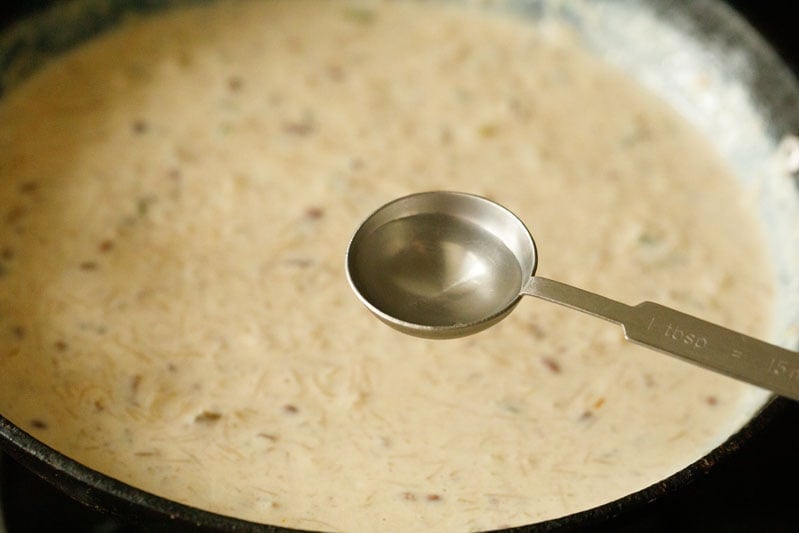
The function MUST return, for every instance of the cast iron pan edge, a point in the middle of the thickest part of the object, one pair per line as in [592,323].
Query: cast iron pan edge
[149,512]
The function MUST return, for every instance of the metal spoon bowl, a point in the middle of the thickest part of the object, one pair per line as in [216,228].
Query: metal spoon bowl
[441,265]
[446,264]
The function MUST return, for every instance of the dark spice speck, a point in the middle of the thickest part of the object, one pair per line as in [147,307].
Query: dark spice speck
[28,187]
[299,128]
[15,214]
[314,213]
[140,126]
[551,364]
[235,83]
[144,203]
[536,330]
[207,417]
[135,383]
[147,453]
[38,423]
[335,72]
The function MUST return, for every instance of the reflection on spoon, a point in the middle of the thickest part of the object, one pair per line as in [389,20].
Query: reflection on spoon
[448,264]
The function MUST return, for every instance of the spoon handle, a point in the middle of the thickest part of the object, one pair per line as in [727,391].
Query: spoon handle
[685,336]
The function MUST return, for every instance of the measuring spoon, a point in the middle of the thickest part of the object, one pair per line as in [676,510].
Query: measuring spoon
[447,264]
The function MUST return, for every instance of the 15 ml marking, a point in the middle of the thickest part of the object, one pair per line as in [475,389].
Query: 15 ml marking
[783,368]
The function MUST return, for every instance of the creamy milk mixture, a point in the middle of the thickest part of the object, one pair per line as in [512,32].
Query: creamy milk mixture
[177,196]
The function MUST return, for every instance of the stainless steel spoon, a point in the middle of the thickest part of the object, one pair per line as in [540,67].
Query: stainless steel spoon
[448,264]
